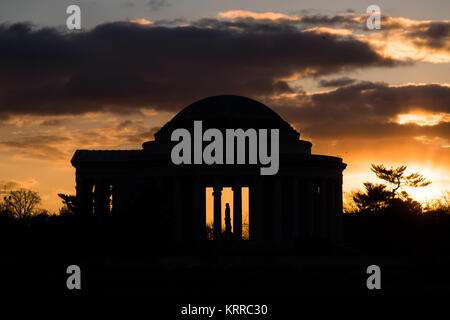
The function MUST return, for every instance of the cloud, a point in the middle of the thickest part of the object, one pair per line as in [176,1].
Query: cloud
[123,67]
[347,19]
[432,34]
[48,141]
[357,111]
[122,134]
[399,37]
[156,5]
[15,184]
[141,21]
[339,82]
[369,110]
[307,19]
[43,146]
[242,14]
[427,41]
[436,141]
[54,122]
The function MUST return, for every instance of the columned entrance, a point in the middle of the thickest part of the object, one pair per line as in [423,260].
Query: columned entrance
[216,198]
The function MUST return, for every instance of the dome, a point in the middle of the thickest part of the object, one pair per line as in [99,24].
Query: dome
[228,112]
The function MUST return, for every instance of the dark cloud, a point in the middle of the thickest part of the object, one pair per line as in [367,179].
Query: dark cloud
[339,82]
[41,146]
[171,22]
[122,67]
[156,5]
[372,100]
[434,34]
[330,20]
[387,23]
[125,134]
[351,21]
[376,131]
[53,122]
[124,124]
[142,134]
[368,110]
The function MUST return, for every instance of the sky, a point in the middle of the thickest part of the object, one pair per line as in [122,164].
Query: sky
[368,96]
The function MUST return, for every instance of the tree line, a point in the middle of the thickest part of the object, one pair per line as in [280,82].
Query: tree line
[390,196]
[376,198]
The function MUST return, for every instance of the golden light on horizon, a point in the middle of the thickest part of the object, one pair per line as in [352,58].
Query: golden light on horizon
[436,175]
[423,119]
[141,21]
[240,14]
[336,31]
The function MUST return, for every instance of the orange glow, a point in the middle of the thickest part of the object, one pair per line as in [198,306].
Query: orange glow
[433,174]
[423,119]
[141,21]
[337,31]
[227,197]
[397,46]
[236,14]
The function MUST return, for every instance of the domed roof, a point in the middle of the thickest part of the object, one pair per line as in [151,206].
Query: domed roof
[228,112]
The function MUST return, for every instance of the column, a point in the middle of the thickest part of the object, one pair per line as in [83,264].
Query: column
[277,211]
[323,209]
[294,209]
[202,211]
[237,207]
[332,210]
[340,225]
[101,195]
[310,206]
[197,221]
[217,193]
[178,218]
[259,214]
[84,197]
[116,198]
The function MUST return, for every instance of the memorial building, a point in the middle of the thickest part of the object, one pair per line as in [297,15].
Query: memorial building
[303,199]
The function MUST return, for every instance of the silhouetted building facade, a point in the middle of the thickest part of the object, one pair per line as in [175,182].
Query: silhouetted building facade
[303,199]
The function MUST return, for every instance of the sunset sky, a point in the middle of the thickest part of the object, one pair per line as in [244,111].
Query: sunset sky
[368,96]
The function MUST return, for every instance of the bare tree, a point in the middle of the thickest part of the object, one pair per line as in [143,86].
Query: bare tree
[22,202]
[397,179]
[441,204]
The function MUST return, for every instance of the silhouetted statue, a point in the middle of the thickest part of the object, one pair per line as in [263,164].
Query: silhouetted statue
[227,218]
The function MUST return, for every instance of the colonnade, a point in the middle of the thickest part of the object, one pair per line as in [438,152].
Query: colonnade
[282,208]
[285,208]
[96,197]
